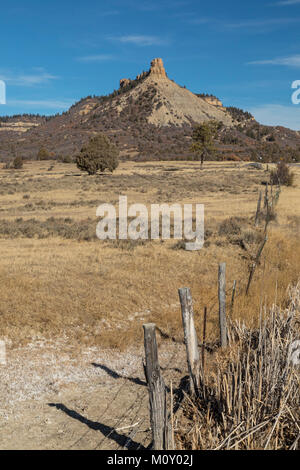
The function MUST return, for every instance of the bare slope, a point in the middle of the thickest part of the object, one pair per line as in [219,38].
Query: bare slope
[150,117]
[173,105]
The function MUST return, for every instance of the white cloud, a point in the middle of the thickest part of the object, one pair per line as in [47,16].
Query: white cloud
[290,61]
[141,40]
[287,2]
[95,58]
[51,104]
[257,25]
[265,23]
[277,115]
[39,77]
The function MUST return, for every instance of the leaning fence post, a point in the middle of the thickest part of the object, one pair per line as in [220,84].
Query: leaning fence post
[256,261]
[157,391]
[258,209]
[266,202]
[232,297]
[222,304]
[190,338]
[204,338]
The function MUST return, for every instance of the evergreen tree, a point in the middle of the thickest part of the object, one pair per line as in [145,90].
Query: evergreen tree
[203,139]
[99,155]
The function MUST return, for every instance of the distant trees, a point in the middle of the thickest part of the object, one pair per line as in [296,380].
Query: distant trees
[203,139]
[99,154]
[238,114]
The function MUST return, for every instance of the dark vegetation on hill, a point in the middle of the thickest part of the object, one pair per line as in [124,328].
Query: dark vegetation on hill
[123,116]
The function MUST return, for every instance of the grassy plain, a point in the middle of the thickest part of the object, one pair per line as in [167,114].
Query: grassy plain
[58,280]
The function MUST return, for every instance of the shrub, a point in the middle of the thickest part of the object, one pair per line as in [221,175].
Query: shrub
[282,175]
[66,159]
[43,154]
[233,158]
[99,154]
[231,226]
[17,163]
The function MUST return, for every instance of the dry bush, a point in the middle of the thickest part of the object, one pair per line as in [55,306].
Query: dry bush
[231,226]
[52,227]
[251,399]
[282,175]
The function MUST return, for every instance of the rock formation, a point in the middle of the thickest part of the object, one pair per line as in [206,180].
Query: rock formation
[214,101]
[157,69]
[124,82]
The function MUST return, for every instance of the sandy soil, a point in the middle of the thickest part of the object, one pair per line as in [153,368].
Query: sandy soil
[55,398]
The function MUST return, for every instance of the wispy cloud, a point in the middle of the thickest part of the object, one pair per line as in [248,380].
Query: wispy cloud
[256,25]
[259,23]
[50,104]
[141,40]
[291,61]
[158,5]
[287,2]
[38,77]
[109,13]
[277,115]
[95,58]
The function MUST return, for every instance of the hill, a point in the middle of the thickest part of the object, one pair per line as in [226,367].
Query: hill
[149,117]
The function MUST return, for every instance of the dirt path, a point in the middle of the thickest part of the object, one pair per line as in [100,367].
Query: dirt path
[53,398]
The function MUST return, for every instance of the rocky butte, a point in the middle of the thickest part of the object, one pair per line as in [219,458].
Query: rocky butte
[149,116]
[157,69]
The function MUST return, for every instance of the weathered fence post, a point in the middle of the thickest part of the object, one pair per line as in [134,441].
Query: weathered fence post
[157,391]
[2,353]
[258,209]
[204,338]
[266,202]
[232,297]
[256,261]
[222,304]
[190,338]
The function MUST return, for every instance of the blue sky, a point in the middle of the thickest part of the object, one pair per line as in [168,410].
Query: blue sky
[245,52]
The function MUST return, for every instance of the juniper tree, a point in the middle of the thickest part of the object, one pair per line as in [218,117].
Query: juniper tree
[203,139]
[99,154]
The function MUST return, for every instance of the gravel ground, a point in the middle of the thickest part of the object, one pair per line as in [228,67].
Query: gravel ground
[54,397]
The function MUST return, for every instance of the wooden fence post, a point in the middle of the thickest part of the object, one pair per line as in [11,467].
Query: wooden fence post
[157,391]
[190,338]
[222,304]
[232,297]
[204,338]
[266,202]
[258,209]
[256,261]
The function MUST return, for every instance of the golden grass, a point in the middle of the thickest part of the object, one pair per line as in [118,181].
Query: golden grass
[249,399]
[95,293]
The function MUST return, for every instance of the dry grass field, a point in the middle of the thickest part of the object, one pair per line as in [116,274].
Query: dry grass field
[59,280]
[69,303]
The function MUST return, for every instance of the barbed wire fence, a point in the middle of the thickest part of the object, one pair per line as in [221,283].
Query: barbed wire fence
[156,432]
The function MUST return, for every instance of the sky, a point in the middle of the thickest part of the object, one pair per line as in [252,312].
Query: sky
[247,53]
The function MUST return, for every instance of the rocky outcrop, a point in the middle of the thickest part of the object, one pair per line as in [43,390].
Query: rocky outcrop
[211,99]
[214,101]
[157,69]
[124,82]
[142,75]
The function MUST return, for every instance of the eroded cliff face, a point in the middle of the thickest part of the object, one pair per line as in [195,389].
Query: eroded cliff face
[157,69]
[214,101]
[171,104]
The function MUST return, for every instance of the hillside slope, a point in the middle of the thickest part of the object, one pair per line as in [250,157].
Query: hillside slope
[150,117]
